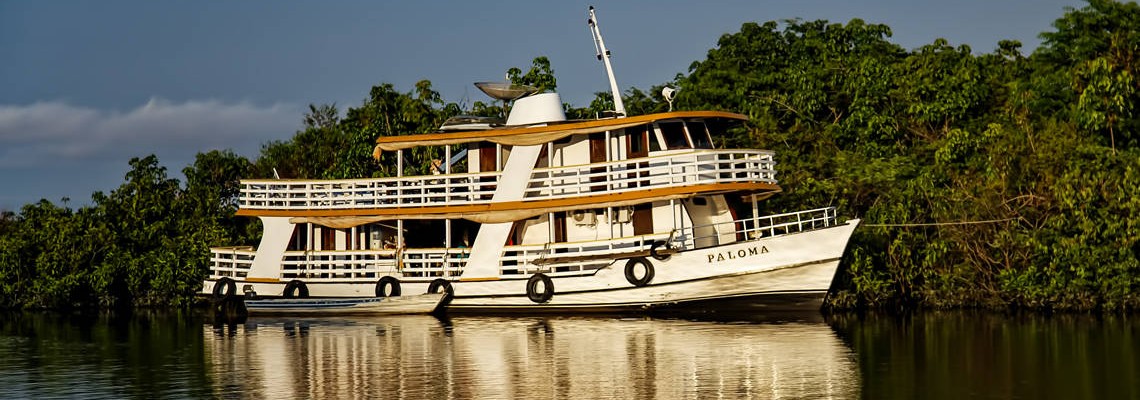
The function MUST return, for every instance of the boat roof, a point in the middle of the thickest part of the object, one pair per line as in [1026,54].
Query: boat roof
[531,135]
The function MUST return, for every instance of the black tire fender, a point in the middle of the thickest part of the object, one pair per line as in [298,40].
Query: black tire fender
[441,283]
[631,271]
[382,285]
[532,292]
[295,290]
[224,289]
[653,250]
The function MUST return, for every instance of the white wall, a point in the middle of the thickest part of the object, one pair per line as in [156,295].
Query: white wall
[536,231]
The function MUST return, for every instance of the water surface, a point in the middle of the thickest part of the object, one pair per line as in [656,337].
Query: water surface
[933,355]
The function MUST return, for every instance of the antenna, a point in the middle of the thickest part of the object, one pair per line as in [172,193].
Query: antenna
[604,56]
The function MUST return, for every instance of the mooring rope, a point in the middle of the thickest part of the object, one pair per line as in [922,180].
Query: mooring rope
[991,221]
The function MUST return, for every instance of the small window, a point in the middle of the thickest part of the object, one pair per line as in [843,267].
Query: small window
[674,133]
[700,135]
[637,138]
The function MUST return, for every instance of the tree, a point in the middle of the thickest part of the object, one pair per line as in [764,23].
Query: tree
[1106,98]
[540,75]
[1092,61]
[324,116]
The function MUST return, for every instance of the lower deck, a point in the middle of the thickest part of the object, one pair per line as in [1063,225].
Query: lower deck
[568,258]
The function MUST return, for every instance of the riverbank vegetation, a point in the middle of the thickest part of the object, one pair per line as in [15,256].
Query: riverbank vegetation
[984,179]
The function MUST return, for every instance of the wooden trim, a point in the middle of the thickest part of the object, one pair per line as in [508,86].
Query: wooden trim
[486,279]
[556,204]
[588,126]
[262,280]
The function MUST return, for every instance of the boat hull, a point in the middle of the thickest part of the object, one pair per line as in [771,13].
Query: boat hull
[806,285]
[398,305]
[772,272]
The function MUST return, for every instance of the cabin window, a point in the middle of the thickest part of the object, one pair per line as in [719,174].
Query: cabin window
[598,155]
[424,233]
[700,135]
[597,148]
[638,141]
[463,233]
[487,157]
[674,135]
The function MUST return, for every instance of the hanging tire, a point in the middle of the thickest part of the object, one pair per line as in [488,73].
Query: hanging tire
[382,287]
[295,290]
[532,292]
[224,289]
[631,267]
[445,284]
[653,250]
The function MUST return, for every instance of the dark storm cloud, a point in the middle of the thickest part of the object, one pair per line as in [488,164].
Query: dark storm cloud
[51,132]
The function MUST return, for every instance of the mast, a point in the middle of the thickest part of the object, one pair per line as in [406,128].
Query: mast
[604,57]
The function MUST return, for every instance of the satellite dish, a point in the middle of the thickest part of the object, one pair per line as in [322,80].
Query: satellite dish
[506,91]
[669,93]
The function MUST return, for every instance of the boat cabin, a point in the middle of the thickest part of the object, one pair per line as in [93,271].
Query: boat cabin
[579,187]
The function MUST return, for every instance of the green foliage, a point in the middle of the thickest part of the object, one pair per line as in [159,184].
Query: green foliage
[936,136]
[1091,63]
[540,75]
[144,244]
[334,148]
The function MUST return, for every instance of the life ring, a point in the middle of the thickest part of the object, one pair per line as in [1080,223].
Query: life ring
[382,287]
[653,250]
[295,289]
[631,271]
[224,289]
[532,292]
[441,283]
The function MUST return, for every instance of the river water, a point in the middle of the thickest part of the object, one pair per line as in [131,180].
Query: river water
[931,355]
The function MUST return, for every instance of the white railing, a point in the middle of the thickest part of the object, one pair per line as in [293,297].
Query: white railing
[369,265]
[698,167]
[753,228]
[573,257]
[702,167]
[552,258]
[233,262]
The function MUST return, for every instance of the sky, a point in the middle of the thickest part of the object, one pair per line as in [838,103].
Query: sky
[86,85]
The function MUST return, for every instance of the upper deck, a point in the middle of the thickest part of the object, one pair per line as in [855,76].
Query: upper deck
[608,162]
[571,187]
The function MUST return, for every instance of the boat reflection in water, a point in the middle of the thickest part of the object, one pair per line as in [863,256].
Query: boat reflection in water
[529,357]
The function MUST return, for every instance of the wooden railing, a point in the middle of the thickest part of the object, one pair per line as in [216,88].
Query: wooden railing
[698,167]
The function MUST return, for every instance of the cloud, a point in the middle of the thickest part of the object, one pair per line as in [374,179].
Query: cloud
[47,133]
[54,150]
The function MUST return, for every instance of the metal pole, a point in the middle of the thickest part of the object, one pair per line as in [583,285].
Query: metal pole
[604,56]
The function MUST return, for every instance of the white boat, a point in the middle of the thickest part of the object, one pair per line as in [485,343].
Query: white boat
[425,303]
[543,214]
